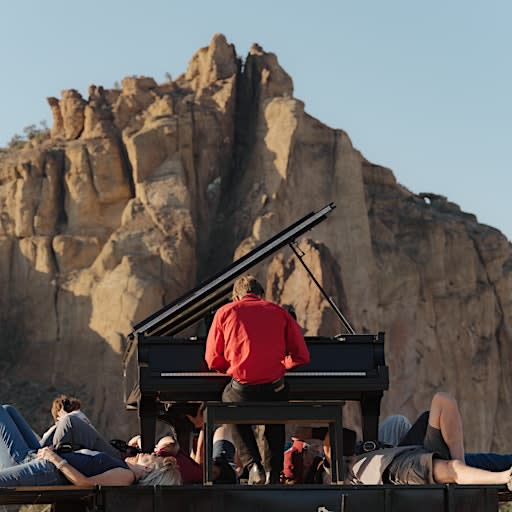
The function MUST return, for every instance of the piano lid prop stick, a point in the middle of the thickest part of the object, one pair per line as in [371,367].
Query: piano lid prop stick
[294,247]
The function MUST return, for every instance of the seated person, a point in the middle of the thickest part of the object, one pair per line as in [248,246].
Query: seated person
[437,459]
[80,468]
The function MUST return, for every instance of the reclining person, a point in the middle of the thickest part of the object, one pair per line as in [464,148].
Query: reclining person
[84,467]
[191,465]
[397,430]
[438,459]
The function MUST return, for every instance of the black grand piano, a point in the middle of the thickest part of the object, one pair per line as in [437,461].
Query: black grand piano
[165,376]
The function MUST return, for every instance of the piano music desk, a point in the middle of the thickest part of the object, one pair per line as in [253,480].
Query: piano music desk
[261,413]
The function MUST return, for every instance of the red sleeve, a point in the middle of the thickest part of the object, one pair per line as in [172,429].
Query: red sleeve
[296,348]
[214,353]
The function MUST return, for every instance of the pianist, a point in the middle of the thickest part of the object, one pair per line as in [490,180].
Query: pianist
[255,341]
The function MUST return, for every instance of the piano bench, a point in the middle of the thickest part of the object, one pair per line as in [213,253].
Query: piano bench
[262,413]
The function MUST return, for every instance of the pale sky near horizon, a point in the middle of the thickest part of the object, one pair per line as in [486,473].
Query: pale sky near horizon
[424,88]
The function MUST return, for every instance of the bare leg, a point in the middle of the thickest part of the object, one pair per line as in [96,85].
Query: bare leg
[445,416]
[224,432]
[456,472]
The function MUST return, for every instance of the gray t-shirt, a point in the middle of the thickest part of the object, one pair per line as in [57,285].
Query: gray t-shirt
[74,431]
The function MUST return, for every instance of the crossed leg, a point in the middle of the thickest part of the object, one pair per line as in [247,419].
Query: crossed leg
[445,416]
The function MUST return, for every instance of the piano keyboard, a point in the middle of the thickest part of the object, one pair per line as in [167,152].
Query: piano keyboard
[296,374]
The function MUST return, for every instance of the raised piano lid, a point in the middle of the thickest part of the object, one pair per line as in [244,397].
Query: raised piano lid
[193,305]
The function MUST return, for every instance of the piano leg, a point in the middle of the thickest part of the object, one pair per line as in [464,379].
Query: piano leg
[370,411]
[147,422]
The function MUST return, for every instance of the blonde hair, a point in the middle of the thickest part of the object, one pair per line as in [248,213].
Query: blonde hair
[165,472]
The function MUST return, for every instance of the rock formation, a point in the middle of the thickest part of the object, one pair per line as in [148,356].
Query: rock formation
[142,192]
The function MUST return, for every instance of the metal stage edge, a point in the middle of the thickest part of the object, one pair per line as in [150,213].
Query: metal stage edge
[282,498]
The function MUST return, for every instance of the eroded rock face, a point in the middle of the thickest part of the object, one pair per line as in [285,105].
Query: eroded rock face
[143,192]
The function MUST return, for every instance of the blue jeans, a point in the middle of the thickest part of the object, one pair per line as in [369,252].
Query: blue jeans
[17,439]
[35,472]
[489,461]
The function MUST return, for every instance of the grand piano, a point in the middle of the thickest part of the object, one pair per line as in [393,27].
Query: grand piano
[165,375]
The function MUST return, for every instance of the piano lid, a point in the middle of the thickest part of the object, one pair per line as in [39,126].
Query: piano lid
[194,305]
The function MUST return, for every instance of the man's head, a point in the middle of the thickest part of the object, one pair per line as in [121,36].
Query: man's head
[247,284]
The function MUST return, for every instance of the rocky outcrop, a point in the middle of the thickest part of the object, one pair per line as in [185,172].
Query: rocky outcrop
[144,191]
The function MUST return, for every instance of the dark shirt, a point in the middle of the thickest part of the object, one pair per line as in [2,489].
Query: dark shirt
[92,465]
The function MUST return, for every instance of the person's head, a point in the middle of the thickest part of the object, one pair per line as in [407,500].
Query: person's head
[151,469]
[247,284]
[64,404]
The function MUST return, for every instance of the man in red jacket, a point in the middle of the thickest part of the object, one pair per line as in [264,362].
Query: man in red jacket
[255,341]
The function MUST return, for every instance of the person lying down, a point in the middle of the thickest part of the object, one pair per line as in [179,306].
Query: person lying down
[83,467]
[437,457]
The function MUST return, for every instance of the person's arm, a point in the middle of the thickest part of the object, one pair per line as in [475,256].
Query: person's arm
[116,476]
[199,454]
[296,348]
[135,441]
[214,353]
[47,437]
[198,422]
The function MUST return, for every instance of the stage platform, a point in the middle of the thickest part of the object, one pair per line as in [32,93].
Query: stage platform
[242,498]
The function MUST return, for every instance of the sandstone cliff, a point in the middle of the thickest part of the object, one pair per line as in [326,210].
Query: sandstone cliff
[142,192]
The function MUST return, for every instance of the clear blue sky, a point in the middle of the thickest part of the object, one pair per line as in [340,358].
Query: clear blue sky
[424,88]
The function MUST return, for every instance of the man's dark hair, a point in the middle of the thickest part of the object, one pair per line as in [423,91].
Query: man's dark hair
[247,284]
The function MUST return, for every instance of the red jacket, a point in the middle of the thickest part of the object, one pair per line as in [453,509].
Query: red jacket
[255,341]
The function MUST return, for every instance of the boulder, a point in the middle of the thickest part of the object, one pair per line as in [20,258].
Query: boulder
[143,192]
